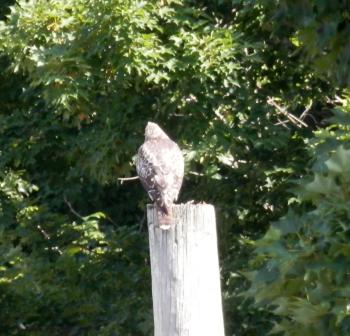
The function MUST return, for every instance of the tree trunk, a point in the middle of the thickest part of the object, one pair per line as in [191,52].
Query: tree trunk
[185,273]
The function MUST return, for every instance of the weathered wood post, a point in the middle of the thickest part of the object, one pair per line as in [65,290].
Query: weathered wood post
[185,273]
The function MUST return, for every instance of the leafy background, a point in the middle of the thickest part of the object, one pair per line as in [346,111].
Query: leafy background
[246,87]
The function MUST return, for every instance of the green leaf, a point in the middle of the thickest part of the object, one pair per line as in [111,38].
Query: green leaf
[339,162]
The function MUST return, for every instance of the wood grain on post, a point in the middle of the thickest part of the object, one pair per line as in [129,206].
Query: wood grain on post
[185,273]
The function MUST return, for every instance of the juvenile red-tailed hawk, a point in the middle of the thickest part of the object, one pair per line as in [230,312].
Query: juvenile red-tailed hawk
[160,166]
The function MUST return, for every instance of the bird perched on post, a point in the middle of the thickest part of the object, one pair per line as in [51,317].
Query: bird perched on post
[160,166]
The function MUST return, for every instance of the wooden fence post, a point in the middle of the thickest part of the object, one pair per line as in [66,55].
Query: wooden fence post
[185,273]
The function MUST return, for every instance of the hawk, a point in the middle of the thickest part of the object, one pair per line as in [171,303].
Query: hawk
[160,166]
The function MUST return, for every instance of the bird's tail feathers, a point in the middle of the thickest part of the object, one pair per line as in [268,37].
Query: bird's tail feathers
[165,217]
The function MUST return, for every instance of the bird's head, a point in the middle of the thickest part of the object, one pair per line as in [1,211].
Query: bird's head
[153,131]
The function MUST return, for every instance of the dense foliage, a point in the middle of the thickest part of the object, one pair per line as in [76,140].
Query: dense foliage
[236,83]
[304,257]
[301,265]
[322,29]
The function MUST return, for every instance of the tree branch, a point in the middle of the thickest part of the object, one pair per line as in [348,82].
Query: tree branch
[72,209]
[123,179]
[291,117]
